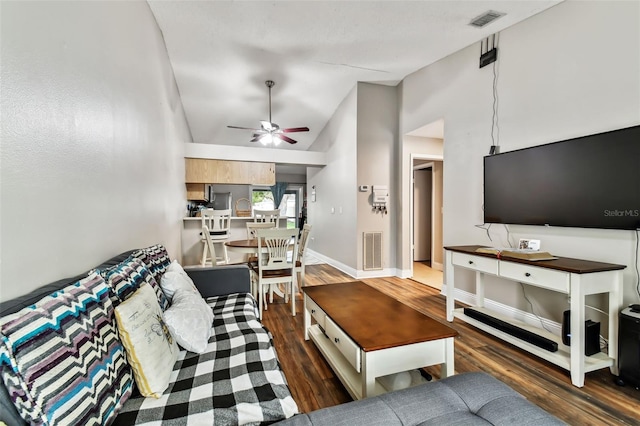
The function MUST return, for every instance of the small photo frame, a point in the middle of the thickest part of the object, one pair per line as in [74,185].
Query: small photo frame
[527,244]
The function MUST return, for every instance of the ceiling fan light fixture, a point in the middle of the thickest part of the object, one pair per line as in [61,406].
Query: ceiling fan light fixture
[269,132]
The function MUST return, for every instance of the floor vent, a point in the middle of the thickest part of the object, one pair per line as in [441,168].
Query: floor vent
[372,251]
[485,18]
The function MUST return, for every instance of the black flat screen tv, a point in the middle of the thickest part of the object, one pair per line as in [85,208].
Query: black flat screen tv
[587,182]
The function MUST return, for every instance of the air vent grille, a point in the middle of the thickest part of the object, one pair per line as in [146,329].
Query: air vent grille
[486,18]
[372,251]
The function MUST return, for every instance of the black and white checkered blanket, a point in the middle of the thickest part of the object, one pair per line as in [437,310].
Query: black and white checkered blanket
[237,381]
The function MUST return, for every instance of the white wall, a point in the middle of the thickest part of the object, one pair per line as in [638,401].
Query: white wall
[570,71]
[334,234]
[93,132]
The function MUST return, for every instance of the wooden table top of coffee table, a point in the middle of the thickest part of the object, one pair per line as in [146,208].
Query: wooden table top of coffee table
[374,320]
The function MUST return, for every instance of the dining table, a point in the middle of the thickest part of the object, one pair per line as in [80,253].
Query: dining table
[243,246]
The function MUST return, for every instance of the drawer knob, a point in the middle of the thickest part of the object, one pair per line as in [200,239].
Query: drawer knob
[471,262]
[336,340]
[313,311]
[526,274]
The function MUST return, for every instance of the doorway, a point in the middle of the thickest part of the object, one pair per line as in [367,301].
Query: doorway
[427,262]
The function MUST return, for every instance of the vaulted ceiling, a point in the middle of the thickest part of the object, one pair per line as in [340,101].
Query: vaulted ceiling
[316,51]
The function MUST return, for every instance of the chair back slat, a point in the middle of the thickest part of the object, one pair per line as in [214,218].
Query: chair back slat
[277,243]
[262,216]
[253,226]
[304,239]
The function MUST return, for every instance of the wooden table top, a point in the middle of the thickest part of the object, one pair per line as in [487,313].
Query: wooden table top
[243,243]
[374,320]
[567,264]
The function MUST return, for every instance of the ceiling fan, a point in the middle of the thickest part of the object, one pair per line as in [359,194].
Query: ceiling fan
[270,132]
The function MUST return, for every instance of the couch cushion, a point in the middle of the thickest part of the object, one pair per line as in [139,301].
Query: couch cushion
[156,258]
[151,350]
[175,278]
[190,320]
[61,358]
[237,380]
[127,276]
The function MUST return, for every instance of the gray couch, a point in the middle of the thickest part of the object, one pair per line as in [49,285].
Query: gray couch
[232,285]
[463,399]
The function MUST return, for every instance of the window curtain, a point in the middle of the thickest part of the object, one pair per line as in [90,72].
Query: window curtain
[278,192]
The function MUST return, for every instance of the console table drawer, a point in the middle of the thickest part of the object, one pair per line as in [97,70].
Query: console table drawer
[540,277]
[345,345]
[315,311]
[477,263]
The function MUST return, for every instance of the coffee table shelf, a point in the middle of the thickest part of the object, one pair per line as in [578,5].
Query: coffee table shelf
[351,379]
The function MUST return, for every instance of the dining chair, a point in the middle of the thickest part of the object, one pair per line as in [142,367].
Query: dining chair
[210,248]
[300,262]
[261,216]
[253,226]
[219,224]
[251,234]
[275,267]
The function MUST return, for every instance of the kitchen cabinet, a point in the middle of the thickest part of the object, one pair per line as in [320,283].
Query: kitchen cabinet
[202,171]
[196,191]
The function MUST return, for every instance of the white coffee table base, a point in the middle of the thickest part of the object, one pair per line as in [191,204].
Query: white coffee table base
[381,362]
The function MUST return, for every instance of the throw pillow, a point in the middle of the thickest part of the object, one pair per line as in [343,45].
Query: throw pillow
[61,358]
[175,278]
[127,276]
[189,319]
[156,258]
[151,350]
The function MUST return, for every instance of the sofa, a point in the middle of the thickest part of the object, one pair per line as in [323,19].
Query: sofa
[462,399]
[79,370]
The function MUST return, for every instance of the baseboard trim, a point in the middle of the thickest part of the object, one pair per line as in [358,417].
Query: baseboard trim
[352,272]
[506,310]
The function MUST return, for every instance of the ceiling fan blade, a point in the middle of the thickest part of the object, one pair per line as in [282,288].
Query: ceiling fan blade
[284,138]
[295,129]
[243,128]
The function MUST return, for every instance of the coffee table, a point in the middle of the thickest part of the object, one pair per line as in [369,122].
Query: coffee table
[364,334]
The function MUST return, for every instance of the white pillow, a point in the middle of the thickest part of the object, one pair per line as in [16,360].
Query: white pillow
[176,278]
[151,349]
[189,319]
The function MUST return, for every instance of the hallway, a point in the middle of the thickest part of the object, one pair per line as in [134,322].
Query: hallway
[424,274]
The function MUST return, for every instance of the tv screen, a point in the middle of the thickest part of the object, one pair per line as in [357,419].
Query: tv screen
[587,182]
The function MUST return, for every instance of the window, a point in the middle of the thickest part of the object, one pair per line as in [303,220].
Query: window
[262,199]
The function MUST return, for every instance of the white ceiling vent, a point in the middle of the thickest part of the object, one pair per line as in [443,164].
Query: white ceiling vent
[485,18]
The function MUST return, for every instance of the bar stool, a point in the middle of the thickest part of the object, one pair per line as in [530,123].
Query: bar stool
[218,222]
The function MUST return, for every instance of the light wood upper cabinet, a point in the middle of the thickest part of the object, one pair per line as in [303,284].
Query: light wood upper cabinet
[201,170]
[196,191]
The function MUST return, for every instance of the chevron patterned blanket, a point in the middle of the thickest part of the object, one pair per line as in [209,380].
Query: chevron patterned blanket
[237,380]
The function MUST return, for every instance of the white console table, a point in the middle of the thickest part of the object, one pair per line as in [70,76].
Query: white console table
[575,277]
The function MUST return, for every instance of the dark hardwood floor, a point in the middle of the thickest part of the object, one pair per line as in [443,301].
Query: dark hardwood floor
[314,385]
